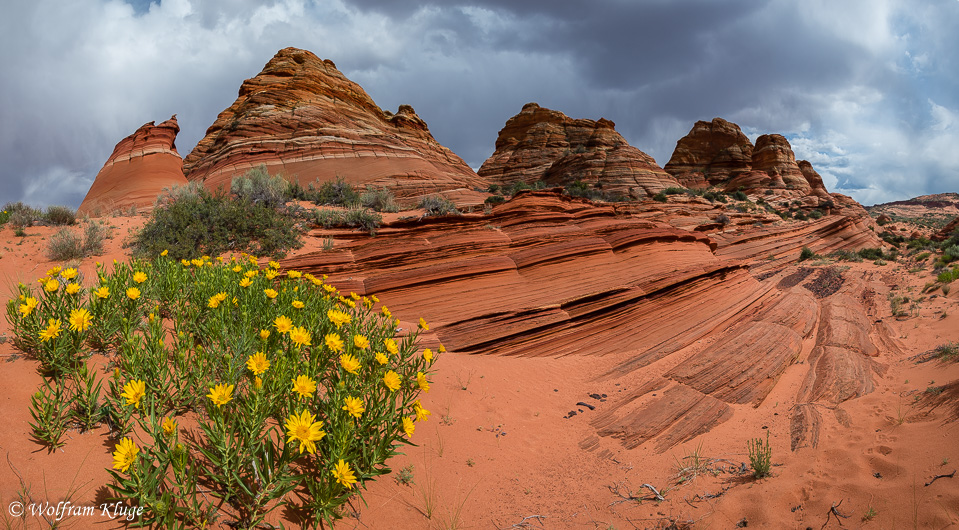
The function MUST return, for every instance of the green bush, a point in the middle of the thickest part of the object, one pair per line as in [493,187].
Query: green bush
[65,245]
[672,190]
[815,214]
[379,199]
[438,205]
[60,216]
[845,255]
[875,253]
[660,197]
[714,196]
[760,456]
[495,199]
[337,193]
[493,188]
[951,254]
[515,188]
[191,220]
[259,187]
[740,196]
[806,253]
[354,218]
[4,217]
[947,352]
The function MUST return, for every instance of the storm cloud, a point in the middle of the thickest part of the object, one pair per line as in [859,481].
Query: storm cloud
[867,91]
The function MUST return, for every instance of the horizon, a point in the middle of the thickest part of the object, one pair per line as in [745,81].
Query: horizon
[865,92]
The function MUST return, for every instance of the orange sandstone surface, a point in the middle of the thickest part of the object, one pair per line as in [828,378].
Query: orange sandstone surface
[141,166]
[596,349]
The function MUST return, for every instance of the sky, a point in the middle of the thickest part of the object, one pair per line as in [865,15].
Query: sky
[868,91]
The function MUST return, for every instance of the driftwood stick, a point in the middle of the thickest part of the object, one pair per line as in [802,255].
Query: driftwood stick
[834,511]
[651,488]
[937,477]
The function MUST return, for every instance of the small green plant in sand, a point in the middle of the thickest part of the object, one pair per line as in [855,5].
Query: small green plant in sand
[760,456]
[236,388]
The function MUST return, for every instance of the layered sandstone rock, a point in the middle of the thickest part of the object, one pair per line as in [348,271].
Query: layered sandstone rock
[303,118]
[717,153]
[141,165]
[540,144]
[947,230]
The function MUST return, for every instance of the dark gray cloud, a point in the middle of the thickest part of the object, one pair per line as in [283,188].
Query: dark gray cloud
[867,91]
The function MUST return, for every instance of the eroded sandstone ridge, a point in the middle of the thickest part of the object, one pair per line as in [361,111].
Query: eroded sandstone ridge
[141,165]
[543,144]
[302,117]
[717,153]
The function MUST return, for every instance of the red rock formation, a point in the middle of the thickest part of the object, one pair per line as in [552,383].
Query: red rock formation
[303,118]
[947,230]
[543,144]
[141,165]
[717,153]
[550,275]
[711,154]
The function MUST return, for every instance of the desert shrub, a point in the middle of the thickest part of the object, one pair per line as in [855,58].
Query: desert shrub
[379,199]
[875,253]
[951,254]
[947,352]
[845,255]
[259,187]
[65,245]
[330,218]
[515,188]
[768,192]
[60,216]
[760,456]
[722,219]
[337,193]
[363,218]
[923,256]
[740,196]
[815,214]
[807,253]
[578,188]
[438,205]
[713,196]
[493,188]
[495,199]
[22,218]
[539,185]
[93,237]
[283,384]
[800,215]
[660,197]
[948,276]
[672,190]
[4,217]
[190,219]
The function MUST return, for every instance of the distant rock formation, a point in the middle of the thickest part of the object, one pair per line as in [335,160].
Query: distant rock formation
[717,153]
[947,230]
[303,118]
[141,165]
[540,144]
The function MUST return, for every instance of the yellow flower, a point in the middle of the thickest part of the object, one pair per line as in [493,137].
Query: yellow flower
[197,262]
[361,342]
[283,324]
[165,252]
[124,455]
[304,386]
[423,325]
[54,271]
[185,262]
[442,349]
[213,302]
[252,260]
[421,413]
[52,330]
[258,363]
[392,381]
[270,293]
[237,268]
[297,304]
[316,281]
[349,363]
[300,336]
[428,355]
[73,288]
[333,342]
[134,391]
[304,429]
[337,317]
[69,274]
[139,277]
[30,303]
[354,406]
[273,264]
[169,426]
[51,285]
[102,293]
[294,274]
[250,274]
[374,298]
[343,474]
[221,394]
[329,288]
[270,274]
[422,382]
[348,302]
[386,312]
[408,427]
[257,382]
[264,334]
[133,293]
[354,296]
[381,358]
[391,346]
[80,320]
[246,282]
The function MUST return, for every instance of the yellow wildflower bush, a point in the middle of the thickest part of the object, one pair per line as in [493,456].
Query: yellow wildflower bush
[292,393]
